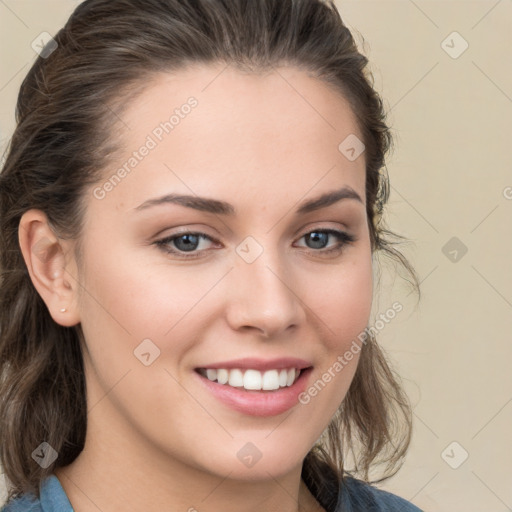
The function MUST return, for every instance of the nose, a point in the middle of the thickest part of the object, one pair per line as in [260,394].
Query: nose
[263,297]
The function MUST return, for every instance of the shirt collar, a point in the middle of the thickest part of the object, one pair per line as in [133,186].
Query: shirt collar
[52,496]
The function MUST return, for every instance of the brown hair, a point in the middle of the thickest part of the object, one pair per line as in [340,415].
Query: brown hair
[67,105]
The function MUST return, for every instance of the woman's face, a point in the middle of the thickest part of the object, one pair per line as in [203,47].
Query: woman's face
[265,288]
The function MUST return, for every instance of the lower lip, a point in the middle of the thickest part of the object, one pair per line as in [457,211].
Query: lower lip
[258,403]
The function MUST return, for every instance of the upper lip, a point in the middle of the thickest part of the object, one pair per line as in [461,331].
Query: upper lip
[254,363]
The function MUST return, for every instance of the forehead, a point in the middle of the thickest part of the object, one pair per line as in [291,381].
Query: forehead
[229,98]
[208,128]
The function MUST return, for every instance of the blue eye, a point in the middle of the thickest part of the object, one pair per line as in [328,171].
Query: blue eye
[183,242]
[320,237]
[189,242]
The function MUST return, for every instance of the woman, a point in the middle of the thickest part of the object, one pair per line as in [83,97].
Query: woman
[190,207]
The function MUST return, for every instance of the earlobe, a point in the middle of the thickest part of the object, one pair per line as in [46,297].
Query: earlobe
[45,257]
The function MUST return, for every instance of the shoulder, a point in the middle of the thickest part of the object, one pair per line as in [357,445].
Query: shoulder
[52,499]
[24,503]
[357,495]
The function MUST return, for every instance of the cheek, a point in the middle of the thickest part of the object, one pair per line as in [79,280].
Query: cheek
[342,349]
[127,301]
[343,306]
[130,294]
[343,302]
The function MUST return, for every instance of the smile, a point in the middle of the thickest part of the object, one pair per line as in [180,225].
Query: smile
[252,380]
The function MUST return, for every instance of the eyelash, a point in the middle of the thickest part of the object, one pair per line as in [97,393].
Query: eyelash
[163,244]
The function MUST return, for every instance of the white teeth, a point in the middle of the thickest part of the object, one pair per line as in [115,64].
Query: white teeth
[253,379]
[283,378]
[222,376]
[271,380]
[236,378]
[211,374]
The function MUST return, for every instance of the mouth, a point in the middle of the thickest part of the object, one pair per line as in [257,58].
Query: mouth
[252,392]
[251,379]
[254,387]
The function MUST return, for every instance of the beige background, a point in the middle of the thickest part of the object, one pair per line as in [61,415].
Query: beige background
[450,171]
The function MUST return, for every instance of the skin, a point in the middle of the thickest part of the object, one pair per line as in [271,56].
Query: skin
[155,438]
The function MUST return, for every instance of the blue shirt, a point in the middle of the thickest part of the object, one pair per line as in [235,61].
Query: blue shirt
[357,496]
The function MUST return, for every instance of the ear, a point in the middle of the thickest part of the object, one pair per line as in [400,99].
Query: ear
[51,266]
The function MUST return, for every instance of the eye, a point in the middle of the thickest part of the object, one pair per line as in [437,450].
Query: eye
[183,242]
[318,240]
[191,242]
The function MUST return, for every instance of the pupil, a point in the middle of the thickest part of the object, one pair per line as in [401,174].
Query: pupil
[318,238]
[190,242]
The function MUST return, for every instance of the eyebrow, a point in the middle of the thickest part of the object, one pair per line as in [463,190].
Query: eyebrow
[223,208]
